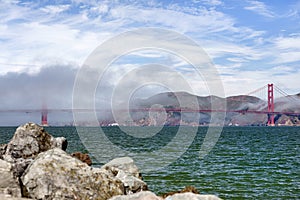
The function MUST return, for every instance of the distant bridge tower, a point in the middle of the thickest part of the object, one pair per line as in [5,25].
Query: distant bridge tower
[44,118]
[271,105]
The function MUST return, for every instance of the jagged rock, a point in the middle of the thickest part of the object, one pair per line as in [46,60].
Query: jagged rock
[192,196]
[126,164]
[145,195]
[9,185]
[131,183]
[83,157]
[29,140]
[56,175]
[2,150]
[125,170]
[60,142]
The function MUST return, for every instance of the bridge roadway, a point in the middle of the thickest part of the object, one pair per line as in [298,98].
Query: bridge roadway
[186,110]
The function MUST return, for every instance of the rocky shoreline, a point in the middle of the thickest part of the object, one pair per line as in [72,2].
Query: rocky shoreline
[35,165]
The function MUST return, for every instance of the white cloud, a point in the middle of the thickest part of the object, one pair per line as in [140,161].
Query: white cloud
[286,49]
[251,80]
[259,8]
[283,69]
[287,57]
[32,38]
[55,9]
[212,2]
[103,8]
[219,49]
[286,43]
[207,21]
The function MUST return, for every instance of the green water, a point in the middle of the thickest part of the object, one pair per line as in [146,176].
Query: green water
[246,162]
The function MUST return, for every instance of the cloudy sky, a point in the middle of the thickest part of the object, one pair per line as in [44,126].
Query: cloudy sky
[44,43]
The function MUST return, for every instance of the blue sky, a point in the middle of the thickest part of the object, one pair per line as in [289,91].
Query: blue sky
[251,43]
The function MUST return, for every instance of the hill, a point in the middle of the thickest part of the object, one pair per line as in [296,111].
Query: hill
[183,100]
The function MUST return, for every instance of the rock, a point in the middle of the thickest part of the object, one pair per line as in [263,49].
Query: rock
[56,175]
[7,197]
[60,142]
[145,195]
[125,170]
[9,185]
[20,165]
[192,196]
[83,157]
[126,164]
[29,140]
[2,150]
[186,189]
[131,183]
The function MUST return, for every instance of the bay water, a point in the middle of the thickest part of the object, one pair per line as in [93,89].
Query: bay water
[245,163]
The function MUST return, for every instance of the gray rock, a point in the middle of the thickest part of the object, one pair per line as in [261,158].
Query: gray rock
[9,185]
[60,142]
[8,197]
[125,170]
[20,165]
[29,140]
[126,164]
[191,196]
[56,175]
[2,150]
[145,195]
[131,183]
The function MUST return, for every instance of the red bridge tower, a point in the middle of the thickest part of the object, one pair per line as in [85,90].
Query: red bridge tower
[270,105]
[44,118]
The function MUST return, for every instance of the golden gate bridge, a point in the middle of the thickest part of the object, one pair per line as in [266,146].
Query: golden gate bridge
[269,111]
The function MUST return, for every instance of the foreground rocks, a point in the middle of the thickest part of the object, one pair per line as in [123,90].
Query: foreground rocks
[29,140]
[7,197]
[191,196]
[34,165]
[8,183]
[55,174]
[190,189]
[145,195]
[178,196]
[128,173]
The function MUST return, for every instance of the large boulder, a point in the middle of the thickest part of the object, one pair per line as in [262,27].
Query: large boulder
[145,195]
[125,170]
[56,175]
[29,140]
[192,196]
[9,185]
[131,183]
[126,164]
